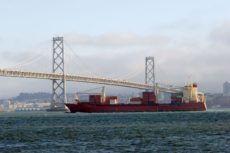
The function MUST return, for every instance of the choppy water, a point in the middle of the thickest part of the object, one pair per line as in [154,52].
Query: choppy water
[43,132]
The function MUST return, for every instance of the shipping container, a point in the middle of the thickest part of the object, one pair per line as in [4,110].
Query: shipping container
[149,98]
[135,99]
[176,98]
[95,99]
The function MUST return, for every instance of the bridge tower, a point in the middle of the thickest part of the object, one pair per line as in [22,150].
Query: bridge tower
[149,71]
[58,86]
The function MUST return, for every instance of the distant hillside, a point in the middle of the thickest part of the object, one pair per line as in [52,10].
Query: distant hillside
[32,96]
[38,96]
[218,100]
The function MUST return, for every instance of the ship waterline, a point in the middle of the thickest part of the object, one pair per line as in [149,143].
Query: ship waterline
[97,108]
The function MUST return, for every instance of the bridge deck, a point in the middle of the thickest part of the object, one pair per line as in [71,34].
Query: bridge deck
[79,78]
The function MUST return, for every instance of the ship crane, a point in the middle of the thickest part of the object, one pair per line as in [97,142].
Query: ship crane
[168,88]
[87,92]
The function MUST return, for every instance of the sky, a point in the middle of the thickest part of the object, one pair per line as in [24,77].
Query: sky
[189,39]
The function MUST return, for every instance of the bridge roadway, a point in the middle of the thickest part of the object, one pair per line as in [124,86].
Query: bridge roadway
[79,78]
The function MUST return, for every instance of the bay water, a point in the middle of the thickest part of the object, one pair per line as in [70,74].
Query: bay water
[48,132]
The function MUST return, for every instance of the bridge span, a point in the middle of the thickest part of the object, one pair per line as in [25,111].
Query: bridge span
[87,79]
[59,77]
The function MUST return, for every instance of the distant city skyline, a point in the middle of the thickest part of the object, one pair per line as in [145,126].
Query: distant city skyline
[226,88]
[189,40]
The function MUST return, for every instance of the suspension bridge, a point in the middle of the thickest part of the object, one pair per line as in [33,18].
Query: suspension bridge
[59,77]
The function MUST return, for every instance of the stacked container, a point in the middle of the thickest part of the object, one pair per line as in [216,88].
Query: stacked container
[148,98]
[176,98]
[111,100]
[95,99]
[135,100]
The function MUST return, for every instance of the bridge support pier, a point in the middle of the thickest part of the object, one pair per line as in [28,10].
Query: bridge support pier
[149,71]
[150,75]
[58,86]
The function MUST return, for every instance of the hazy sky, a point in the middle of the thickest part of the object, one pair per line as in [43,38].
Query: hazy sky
[190,40]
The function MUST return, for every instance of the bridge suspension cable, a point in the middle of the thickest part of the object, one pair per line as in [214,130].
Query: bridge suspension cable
[27,58]
[81,64]
[92,72]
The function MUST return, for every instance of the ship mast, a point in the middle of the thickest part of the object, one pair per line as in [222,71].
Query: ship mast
[103,96]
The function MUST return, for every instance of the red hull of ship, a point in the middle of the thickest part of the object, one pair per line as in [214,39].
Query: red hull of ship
[100,108]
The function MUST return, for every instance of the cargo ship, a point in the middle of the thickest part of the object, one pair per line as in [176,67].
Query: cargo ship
[189,99]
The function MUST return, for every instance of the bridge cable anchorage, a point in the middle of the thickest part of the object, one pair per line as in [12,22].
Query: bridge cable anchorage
[58,85]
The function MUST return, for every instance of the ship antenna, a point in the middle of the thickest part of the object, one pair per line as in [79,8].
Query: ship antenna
[189,79]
